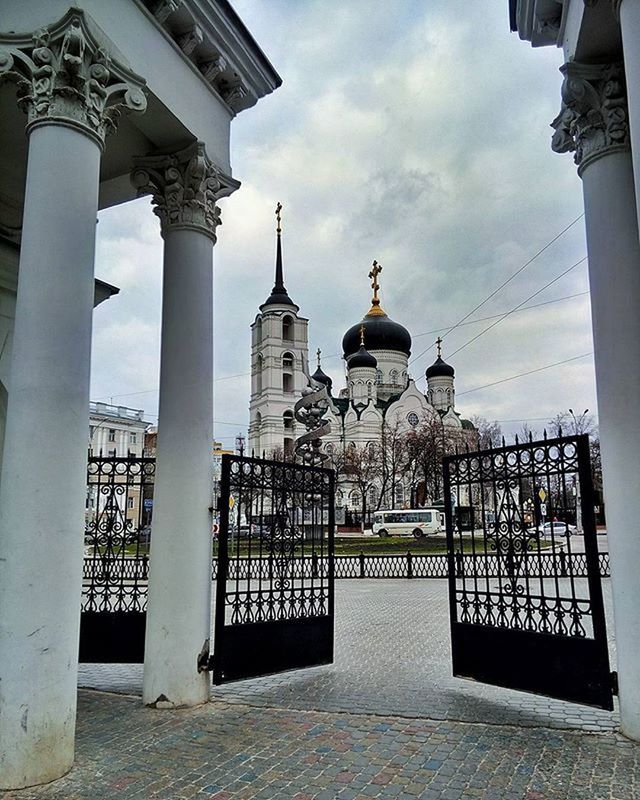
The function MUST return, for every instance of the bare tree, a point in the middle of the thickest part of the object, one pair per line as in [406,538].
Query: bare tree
[489,433]
[571,424]
[359,467]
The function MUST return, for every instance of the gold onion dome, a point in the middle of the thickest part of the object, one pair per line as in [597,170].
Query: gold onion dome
[381,332]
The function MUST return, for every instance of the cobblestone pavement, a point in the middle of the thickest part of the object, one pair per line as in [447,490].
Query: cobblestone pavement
[229,751]
[392,658]
[385,721]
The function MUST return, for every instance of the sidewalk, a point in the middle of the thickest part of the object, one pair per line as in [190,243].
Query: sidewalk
[227,751]
[386,721]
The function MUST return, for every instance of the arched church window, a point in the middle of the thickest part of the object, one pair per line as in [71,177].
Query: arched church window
[372,497]
[287,328]
[378,377]
[339,497]
[287,420]
[393,376]
[369,388]
[259,369]
[398,494]
[412,419]
[258,331]
[355,499]
[287,372]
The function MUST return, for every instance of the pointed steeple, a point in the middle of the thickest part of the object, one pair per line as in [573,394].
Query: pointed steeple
[279,293]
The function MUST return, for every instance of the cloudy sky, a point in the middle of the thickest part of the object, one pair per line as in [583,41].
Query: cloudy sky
[416,133]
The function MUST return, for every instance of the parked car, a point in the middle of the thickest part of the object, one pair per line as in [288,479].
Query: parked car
[555,528]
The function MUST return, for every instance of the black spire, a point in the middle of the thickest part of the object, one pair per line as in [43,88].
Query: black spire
[279,293]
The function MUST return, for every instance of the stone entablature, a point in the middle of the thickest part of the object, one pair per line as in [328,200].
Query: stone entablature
[206,33]
[66,76]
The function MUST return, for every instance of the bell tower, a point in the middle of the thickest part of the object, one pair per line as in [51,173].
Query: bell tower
[279,365]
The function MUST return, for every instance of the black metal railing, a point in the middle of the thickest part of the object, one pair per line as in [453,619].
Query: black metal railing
[116,536]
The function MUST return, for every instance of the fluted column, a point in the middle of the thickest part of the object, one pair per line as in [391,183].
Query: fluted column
[184,187]
[593,123]
[72,92]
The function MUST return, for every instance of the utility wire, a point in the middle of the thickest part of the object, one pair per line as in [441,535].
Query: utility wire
[503,284]
[492,316]
[522,374]
[504,313]
[516,308]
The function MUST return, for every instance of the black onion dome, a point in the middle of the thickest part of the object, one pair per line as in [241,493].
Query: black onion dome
[439,369]
[362,359]
[381,333]
[320,377]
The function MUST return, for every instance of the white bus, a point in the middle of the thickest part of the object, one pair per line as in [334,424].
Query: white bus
[417,522]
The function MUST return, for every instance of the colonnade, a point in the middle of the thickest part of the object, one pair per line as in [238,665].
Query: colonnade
[73,91]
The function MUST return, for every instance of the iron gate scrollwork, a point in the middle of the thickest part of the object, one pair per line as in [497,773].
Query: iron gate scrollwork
[520,615]
[275,583]
[116,561]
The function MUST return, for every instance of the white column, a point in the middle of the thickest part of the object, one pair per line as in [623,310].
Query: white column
[604,163]
[614,274]
[179,603]
[42,496]
[629,11]
[43,478]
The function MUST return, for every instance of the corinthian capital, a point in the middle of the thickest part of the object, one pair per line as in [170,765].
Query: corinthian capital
[593,120]
[184,187]
[66,76]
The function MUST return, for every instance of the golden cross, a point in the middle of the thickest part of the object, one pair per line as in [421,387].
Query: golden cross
[278,210]
[375,271]
[362,333]
[439,342]
[318,353]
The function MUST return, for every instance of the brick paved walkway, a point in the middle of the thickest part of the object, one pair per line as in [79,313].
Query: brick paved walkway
[229,751]
[392,657]
[385,721]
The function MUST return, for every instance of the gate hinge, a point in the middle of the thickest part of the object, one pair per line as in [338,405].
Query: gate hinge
[614,683]
[204,658]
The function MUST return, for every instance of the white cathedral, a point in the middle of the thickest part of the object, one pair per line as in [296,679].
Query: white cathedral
[379,388]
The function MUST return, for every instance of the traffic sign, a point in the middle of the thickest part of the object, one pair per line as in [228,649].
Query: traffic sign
[542,495]
[543,509]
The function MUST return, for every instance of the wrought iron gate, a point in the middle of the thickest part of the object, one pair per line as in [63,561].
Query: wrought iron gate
[275,584]
[116,562]
[520,618]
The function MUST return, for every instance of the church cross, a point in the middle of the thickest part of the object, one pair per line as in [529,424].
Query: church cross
[278,218]
[362,336]
[318,354]
[375,271]
[438,343]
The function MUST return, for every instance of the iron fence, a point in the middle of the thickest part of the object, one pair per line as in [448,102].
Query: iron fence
[408,565]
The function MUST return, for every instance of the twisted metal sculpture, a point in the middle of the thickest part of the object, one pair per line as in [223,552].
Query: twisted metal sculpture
[310,410]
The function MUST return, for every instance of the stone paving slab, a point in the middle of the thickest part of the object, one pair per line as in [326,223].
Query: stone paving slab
[230,751]
[392,657]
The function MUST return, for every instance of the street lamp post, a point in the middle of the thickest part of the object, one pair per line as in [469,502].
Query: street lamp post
[578,428]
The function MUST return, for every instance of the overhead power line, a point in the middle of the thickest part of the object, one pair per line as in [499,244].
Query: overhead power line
[519,306]
[504,313]
[522,374]
[503,284]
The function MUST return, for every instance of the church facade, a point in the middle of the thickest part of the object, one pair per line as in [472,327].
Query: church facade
[380,397]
